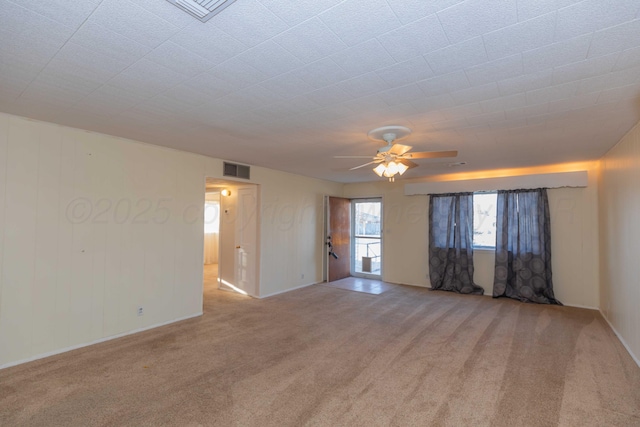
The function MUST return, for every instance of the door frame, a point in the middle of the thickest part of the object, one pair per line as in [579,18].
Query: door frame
[325,232]
[343,264]
[323,240]
[353,240]
[222,238]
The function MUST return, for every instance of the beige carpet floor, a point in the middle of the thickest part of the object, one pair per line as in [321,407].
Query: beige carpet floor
[321,356]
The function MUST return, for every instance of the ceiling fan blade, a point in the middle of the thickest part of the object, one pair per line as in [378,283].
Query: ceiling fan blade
[353,157]
[399,149]
[366,164]
[430,154]
[408,163]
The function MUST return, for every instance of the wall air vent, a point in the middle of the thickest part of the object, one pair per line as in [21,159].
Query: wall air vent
[238,171]
[202,9]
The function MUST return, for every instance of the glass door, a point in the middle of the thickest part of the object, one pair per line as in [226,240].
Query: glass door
[366,238]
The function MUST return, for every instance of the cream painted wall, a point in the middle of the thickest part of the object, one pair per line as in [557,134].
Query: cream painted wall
[574,226]
[75,262]
[484,264]
[92,227]
[620,239]
[575,243]
[291,224]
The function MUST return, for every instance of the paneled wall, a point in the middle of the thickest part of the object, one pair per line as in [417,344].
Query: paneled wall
[91,228]
[291,229]
[620,239]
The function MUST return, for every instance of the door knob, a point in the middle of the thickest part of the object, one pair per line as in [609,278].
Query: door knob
[237,247]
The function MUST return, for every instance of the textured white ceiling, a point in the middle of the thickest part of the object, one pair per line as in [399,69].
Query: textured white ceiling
[287,84]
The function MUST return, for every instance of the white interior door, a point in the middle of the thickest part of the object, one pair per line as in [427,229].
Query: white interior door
[246,240]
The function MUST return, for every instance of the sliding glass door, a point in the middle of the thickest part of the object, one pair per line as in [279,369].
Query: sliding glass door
[366,237]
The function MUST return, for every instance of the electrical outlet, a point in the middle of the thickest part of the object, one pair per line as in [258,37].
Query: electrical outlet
[140,311]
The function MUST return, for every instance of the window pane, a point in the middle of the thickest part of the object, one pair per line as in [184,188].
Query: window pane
[367,255]
[484,220]
[367,219]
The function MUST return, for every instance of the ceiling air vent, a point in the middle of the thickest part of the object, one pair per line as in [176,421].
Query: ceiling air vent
[238,171]
[202,9]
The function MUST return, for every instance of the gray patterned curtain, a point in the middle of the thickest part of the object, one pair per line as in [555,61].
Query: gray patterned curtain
[523,247]
[451,243]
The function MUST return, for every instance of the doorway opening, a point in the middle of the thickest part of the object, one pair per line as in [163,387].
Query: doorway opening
[211,237]
[231,252]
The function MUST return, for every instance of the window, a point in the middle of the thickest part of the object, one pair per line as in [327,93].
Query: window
[367,219]
[484,220]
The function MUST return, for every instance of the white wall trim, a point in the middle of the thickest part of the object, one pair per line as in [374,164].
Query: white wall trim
[586,307]
[543,180]
[273,294]
[109,338]
[624,343]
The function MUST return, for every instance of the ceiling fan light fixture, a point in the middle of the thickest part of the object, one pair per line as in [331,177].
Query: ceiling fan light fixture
[394,159]
[392,169]
[402,168]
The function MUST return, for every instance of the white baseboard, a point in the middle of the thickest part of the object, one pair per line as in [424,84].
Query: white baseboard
[288,290]
[624,343]
[581,306]
[109,338]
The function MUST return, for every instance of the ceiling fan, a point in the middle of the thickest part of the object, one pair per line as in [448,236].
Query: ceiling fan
[395,158]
